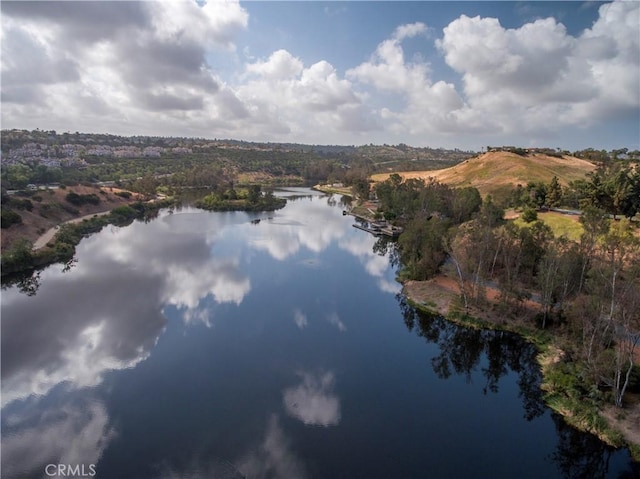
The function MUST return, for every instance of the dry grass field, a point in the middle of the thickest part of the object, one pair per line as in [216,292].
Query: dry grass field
[496,172]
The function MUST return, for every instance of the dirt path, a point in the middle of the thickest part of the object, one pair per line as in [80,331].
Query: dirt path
[42,241]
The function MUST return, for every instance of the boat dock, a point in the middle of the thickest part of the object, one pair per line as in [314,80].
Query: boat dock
[378,229]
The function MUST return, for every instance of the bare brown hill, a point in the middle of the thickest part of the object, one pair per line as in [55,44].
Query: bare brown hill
[496,172]
[51,208]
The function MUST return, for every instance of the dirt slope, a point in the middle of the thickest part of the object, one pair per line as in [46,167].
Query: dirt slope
[49,211]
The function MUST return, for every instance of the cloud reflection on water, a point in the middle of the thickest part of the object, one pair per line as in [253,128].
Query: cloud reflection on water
[68,335]
[374,264]
[300,318]
[313,401]
[309,224]
[335,320]
[71,433]
[274,458]
[106,314]
[284,235]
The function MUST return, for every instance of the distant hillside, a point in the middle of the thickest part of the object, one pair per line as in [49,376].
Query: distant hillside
[495,172]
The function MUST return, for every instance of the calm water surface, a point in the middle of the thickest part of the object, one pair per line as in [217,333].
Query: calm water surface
[204,345]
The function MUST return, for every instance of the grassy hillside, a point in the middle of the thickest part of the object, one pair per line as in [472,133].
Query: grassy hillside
[495,172]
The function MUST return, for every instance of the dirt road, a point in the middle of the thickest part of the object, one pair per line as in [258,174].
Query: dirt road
[48,236]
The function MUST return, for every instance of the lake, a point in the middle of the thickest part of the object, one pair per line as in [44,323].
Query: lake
[204,344]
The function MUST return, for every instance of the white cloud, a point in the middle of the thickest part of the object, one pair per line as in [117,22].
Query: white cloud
[302,101]
[410,30]
[152,68]
[426,106]
[215,23]
[538,77]
[140,66]
[281,65]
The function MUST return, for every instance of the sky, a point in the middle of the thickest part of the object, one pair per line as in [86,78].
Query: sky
[425,73]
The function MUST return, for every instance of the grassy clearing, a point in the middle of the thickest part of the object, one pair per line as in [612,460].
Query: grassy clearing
[561,225]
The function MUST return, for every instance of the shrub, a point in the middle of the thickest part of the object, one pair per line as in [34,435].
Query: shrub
[124,211]
[79,200]
[529,215]
[21,204]
[10,217]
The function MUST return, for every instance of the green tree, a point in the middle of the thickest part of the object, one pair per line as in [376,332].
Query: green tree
[594,225]
[529,215]
[421,246]
[554,195]
[19,257]
[466,202]
[253,194]
[360,188]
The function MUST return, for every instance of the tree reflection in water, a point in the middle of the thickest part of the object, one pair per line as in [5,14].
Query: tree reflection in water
[578,455]
[584,456]
[461,351]
[27,283]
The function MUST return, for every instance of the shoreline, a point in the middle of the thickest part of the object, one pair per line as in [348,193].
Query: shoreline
[440,295]
[42,241]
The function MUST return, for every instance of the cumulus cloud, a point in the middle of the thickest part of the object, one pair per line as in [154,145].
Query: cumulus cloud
[281,65]
[539,77]
[152,67]
[60,59]
[410,30]
[426,105]
[302,99]
[529,79]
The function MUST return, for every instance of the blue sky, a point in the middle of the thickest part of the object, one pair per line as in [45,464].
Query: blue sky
[440,74]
